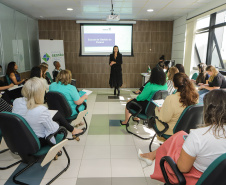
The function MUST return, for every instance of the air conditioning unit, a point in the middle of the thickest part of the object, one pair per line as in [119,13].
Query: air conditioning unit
[113,18]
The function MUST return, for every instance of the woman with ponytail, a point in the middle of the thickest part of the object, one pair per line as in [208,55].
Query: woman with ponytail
[174,104]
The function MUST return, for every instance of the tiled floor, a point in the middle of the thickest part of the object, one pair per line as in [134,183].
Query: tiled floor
[106,154]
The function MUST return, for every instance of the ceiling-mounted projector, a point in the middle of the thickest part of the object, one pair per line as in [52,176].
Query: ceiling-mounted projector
[113,18]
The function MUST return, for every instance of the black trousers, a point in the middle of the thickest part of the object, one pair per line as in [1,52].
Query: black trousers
[62,121]
[143,104]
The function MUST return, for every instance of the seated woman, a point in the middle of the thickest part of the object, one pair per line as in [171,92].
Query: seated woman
[13,75]
[156,83]
[63,85]
[180,67]
[161,62]
[32,108]
[174,104]
[172,71]
[201,147]
[44,67]
[37,72]
[203,76]
[216,81]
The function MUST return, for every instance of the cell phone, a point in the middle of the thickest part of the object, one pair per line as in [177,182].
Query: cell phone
[185,137]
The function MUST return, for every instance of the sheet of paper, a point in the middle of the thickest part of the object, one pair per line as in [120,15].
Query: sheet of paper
[53,112]
[158,103]
[15,87]
[88,92]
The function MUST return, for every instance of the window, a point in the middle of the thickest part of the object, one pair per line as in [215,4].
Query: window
[210,40]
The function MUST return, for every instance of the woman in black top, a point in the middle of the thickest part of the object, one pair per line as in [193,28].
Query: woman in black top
[116,70]
[216,81]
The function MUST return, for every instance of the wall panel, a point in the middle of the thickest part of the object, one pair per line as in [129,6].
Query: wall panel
[95,71]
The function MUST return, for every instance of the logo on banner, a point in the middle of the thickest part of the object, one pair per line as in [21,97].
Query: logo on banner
[46,57]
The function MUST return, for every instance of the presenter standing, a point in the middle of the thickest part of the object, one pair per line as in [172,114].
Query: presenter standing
[116,70]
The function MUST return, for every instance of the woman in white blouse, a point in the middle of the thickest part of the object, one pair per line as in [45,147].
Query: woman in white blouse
[31,108]
[201,147]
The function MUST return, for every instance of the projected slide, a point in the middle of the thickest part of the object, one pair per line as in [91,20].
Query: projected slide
[100,39]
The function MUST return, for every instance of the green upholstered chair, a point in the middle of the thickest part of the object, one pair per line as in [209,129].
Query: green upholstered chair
[194,76]
[149,111]
[8,79]
[214,174]
[190,118]
[49,76]
[57,101]
[21,139]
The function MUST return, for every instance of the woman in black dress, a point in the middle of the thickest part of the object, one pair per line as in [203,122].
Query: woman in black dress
[116,70]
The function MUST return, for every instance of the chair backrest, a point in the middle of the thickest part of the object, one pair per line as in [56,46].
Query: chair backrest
[18,135]
[190,118]
[150,109]
[49,76]
[57,101]
[215,173]
[8,79]
[194,76]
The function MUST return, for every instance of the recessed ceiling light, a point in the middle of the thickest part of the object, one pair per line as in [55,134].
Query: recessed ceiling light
[41,16]
[150,10]
[69,9]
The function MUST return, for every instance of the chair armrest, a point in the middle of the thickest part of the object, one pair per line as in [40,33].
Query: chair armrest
[160,133]
[175,169]
[137,105]
[77,107]
[61,130]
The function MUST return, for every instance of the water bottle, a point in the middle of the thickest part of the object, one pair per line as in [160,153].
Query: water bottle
[149,70]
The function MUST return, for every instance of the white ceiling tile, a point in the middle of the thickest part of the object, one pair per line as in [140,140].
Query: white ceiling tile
[96,9]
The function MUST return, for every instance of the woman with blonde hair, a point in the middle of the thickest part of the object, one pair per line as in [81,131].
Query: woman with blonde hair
[32,108]
[216,81]
[171,72]
[63,85]
[44,68]
[201,147]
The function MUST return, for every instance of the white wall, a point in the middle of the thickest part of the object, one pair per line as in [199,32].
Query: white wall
[179,29]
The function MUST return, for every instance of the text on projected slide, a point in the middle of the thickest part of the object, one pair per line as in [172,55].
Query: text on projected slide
[99,40]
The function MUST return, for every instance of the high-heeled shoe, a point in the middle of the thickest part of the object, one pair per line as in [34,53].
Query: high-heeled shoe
[148,161]
[76,136]
[121,123]
[136,120]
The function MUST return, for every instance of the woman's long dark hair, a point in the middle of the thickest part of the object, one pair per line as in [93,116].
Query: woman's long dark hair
[180,67]
[188,93]
[202,73]
[157,76]
[10,68]
[113,50]
[35,72]
[215,111]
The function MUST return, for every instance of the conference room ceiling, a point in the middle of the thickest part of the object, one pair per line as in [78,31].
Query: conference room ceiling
[100,9]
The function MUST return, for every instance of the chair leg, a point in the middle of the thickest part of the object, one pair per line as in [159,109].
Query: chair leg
[127,125]
[65,169]
[11,165]
[85,129]
[2,151]
[85,123]
[151,143]
[21,171]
